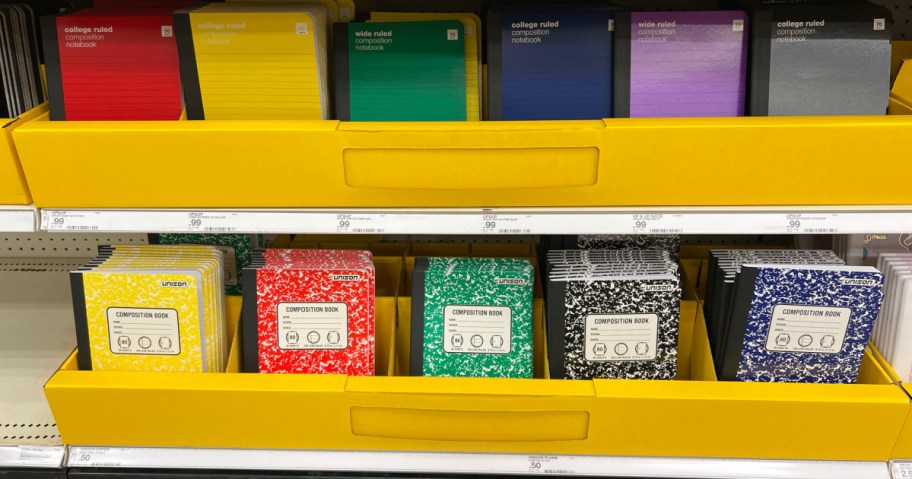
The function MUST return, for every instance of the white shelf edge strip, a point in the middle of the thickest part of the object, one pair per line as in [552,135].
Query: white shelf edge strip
[419,462]
[32,456]
[18,219]
[678,220]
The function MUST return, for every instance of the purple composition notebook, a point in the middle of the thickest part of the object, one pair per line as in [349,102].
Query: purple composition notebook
[680,64]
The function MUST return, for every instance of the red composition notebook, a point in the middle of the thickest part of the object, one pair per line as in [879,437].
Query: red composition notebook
[112,64]
[309,311]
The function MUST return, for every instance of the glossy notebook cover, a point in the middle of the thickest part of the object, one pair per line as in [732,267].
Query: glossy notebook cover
[680,64]
[801,324]
[550,62]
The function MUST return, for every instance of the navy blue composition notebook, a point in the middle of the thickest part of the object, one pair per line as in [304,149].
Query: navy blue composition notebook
[801,323]
[550,62]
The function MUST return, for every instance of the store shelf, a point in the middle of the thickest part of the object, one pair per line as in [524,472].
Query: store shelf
[627,162]
[36,320]
[18,219]
[443,463]
[716,220]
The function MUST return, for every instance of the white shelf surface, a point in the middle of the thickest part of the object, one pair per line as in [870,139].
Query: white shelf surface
[18,219]
[36,320]
[499,221]
[484,464]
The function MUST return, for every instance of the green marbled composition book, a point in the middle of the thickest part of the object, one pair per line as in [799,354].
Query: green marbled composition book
[472,317]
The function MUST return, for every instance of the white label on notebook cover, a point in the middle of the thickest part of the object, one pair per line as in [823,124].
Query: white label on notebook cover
[807,329]
[229,258]
[148,331]
[312,325]
[477,329]
[621,337]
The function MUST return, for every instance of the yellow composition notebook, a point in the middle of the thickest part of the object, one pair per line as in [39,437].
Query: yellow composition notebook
[150,309]
[247,61]
[473,48]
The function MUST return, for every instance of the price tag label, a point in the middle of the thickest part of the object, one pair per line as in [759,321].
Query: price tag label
[358,224]
[62,220]
[655,223]
[551,465]
[93,457]
[901,469]
[506,224]
[809,223]
[202,222]
[31,456]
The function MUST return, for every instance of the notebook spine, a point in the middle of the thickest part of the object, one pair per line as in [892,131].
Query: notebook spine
[742,298]
[342,82]
[556,328]
[190,83]
[495,64]
[416,342]
[758,82]
[84,350]
[249,328]
[621,87]
[52,67]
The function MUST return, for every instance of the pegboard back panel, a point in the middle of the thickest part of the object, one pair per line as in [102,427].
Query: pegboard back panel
[902,17]
[61,245]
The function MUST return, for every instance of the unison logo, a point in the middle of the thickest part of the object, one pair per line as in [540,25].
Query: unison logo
[858,282]
[346,277]
[658,287]
[175,284]
[511,281]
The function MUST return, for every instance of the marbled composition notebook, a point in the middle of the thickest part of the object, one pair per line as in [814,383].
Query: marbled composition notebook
[793,323]
[613,317]
[472,317]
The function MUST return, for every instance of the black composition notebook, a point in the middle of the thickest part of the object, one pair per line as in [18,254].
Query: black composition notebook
[819,59]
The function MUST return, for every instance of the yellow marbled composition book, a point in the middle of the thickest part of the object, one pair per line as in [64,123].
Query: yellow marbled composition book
[211,262]
[151,308]
[137,321]
[210,299]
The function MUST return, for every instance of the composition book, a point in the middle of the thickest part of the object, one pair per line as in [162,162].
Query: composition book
[400,71]
[680,64]
[549,62]
[254,61]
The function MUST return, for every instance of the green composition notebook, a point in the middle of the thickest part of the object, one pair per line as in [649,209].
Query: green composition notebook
[472,317]
[400,71]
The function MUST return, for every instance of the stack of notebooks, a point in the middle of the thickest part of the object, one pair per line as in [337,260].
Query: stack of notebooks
[113,63]
[472,317]
[550,62]
[668,243]
[680,64]
[819,59]
[151,308]
[612,314]
[893,330]
[236,249]
[242,61]
[309,311]
[20,66]
[789,315]
[402,71]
